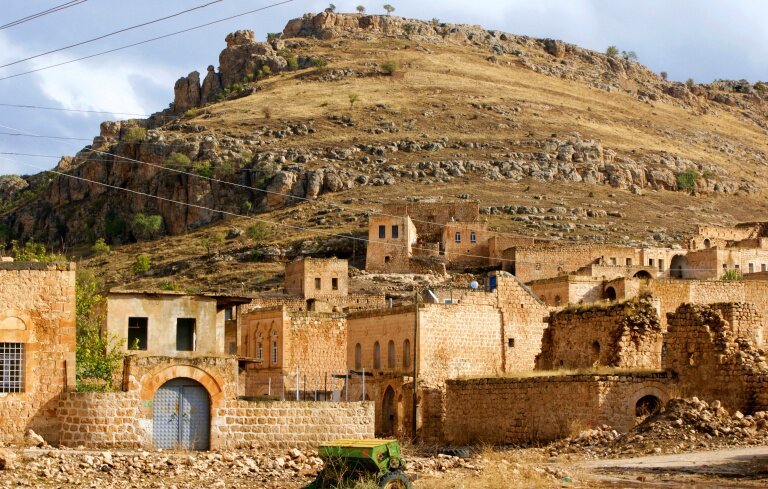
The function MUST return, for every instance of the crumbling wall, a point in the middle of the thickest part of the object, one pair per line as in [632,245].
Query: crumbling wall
[626,335]
[37,310]
[540,409]
[709,348]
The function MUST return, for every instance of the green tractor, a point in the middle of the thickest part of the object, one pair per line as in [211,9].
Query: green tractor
[348,461]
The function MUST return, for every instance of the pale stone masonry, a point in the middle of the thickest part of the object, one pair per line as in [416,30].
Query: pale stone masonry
[37,346]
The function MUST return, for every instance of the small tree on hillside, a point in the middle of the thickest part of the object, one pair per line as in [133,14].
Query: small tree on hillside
[146,227]
[664,75]
[612,51]
[331,8]
[353,97]
[389,8]
[690,83]
[687,180]
[360,9]
[629,55]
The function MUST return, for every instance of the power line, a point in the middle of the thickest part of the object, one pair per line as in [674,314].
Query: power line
[111,34]
[149,40]
[51,10]
[18,106]
[43,137]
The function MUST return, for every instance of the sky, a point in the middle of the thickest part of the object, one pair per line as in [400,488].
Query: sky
[700,39]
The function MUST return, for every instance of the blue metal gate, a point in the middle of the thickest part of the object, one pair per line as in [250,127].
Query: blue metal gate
[182,416]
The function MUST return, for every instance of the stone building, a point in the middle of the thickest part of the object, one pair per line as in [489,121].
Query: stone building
[391,242]
[313,278]
[37,347]
[626,335]
[174,323]
[277,344]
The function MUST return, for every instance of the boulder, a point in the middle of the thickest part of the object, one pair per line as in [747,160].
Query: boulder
[7,459]
[34,440]
[279,189]
[554,47]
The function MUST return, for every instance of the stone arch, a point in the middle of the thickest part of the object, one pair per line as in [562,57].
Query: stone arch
[595,353]
[13,323]
[610,293]
[643,275]
[677,267]
[152,381]
[388,411]
[14,326]
[647,406]
[707,244]
[656,390]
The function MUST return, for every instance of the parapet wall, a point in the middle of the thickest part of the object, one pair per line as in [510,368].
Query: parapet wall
[503,411]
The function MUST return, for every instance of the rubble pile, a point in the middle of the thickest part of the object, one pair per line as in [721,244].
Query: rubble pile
[684,425]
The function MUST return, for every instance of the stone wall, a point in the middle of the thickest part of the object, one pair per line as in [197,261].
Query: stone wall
[624,335]
[428,217]
[313,278]
[568,289]
[385,252]
[106,420]
[349,303]
[37,310]
[518,410]
[466,243]
[709,348]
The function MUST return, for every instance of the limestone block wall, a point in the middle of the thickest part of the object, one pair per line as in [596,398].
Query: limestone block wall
[624,335]
[302,276]
[37,310]
[107,420]
[316,344]
[517,410]
[426,213]
[389,254]
[710,359]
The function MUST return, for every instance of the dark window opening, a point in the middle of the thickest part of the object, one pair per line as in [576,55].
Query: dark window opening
[472,237]
[358,356]
[185,334]
[458,237]
[395,232]
[11,367]
[377,356]
[335,284]
[382,232]
[387,259]
[650,262]
[137,333]
[228,313]
[391,354]
[407,353]
[318,284]
[647,406]
[661,265]
[629,262]
[511,342]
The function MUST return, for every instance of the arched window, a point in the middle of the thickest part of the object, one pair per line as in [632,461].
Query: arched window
[377,356]
[274,352]
[391,354]
[358,356]
[260,352]
[407,353]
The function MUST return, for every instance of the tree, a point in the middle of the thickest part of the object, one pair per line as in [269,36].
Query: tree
[389,8]
[664,75]
[212,242]
[360,9]
[612,51]
[141,264]
[690,83]
[389,67]
[146,227]
[98,356]
[629,55]
[100,246]
[331,7]
[687,180]
[353,97]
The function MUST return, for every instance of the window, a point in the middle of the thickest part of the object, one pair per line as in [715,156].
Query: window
[650,262]
[185,334]
[377,356]
[725,267]
[137,333]
[511,342]
[335,284]
[274,352]
[613,261]
[260,352]
[629,262]
[458,237]
[318,283]
[661,265]
[387,259]
[751,268]
[228,314]
[11,367]
[737,266]
[395,232]
[762,267]
[382,232]
[358,356]
[407,353]
[472,237]
[391,354]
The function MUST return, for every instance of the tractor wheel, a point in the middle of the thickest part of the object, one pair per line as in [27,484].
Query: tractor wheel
[395,480]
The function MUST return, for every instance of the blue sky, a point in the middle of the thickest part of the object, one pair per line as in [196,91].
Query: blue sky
[699,39]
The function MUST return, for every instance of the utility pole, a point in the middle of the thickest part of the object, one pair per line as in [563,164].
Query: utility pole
[415,370]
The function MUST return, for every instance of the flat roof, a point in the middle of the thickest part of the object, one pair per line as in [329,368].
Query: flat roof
[220,298]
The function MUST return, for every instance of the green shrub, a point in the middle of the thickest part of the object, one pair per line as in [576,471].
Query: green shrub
[629,55]
[319,62]
[331,7]
[690,83]
[98,357]
[293,63]
[409,29]
[247,207]
[687,180]
[225,169]
[353,97]
[435,21]
[212,242]
[271,36]
[732,275]
[32,251]
[178,159]
[664,75]
[100,246]
[189,114]
[146,227]
[612,51]
[259,232]
[136,134]
[389,67]
[389,8]
[360,9]
[266,70]
[169,285]
[204,169]
[141,264]
[237,87]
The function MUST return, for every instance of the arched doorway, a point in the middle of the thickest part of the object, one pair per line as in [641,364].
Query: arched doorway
[678,265]
[181,413]
[388,412]
[595,353]
[646,406]
[610,294]
[707,244]
[643,275]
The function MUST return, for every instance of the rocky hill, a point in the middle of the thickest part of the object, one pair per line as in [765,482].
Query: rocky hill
[340,112]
